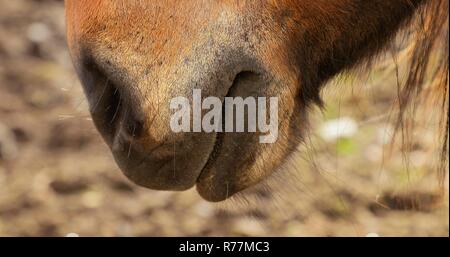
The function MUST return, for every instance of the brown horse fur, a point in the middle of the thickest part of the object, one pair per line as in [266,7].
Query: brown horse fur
[133,56]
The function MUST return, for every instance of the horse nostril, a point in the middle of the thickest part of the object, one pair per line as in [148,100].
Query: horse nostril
[114,104]
[133,126]
[111,102]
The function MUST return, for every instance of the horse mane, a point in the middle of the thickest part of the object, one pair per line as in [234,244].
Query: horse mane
[422,28]
[427,79]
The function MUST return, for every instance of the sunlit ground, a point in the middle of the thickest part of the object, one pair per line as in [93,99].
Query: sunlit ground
[57,177]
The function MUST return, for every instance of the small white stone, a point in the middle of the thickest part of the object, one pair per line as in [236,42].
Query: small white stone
[344,127]
[72,235]
[38,32]
[372,235]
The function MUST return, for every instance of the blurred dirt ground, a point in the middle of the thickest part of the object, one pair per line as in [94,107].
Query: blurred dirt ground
[57,176]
